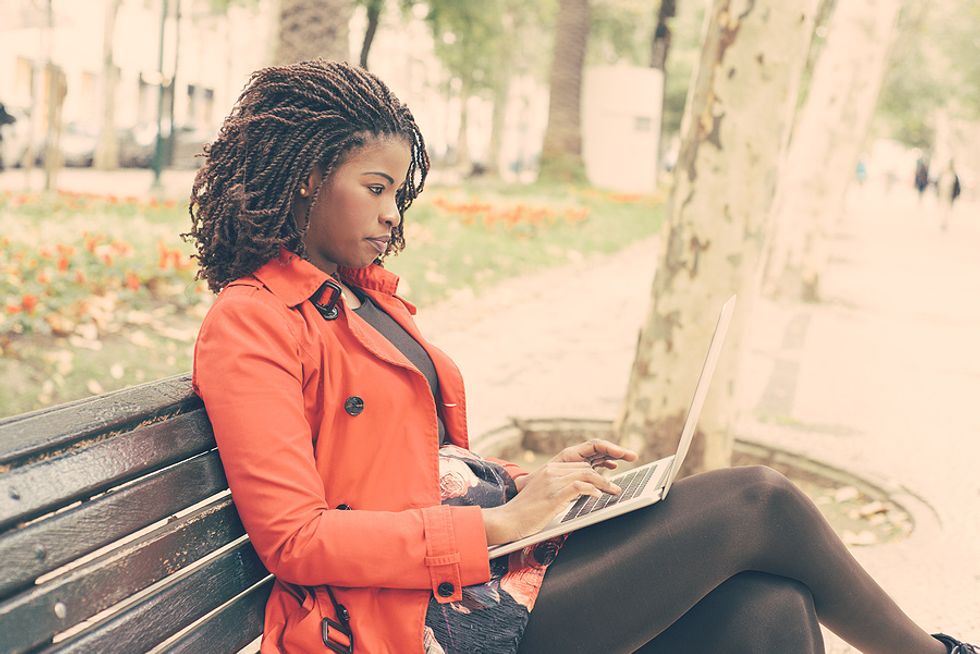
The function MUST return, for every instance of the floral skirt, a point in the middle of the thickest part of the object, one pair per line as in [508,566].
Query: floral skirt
[492,616]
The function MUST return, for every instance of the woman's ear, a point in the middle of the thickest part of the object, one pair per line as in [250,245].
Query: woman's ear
[308,186]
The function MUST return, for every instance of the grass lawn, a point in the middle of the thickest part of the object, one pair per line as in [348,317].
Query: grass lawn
[99,293]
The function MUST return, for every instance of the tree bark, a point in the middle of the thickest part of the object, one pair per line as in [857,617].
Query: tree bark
[374,8]
[738,113]
[462,159]
[827,143]
[107,148]
[659,49]
[660,45]
[313,28]
[561,154]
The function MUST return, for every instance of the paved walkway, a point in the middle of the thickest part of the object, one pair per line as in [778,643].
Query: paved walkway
[882,379]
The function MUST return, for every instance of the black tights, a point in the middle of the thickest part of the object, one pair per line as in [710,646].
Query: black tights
[735,560]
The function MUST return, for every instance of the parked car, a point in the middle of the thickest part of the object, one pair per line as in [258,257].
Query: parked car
[16,137]
[77,144]
[137,146]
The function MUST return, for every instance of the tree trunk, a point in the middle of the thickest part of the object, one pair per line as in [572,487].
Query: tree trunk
[501,93]
[561,154]
[661,35]
[53,159]
[313,28]
[738,113]
[107,148]
[659,49]
[827,142]
[463,161]
[374,8]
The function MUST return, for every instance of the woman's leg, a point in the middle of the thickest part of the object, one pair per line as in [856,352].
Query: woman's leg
[616,586]
[751,613]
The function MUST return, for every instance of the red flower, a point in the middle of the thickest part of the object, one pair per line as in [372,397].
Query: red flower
[13,309]
[29,302]
[63,264]
[132,281]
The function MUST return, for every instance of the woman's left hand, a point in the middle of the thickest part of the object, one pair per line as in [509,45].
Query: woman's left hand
[598,453]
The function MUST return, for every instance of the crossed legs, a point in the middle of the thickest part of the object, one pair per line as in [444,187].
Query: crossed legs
[734,561]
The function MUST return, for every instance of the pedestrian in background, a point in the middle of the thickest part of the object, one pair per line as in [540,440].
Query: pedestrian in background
[947,190]
[921,176]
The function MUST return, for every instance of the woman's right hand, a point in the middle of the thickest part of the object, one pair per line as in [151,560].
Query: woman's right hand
[547,492]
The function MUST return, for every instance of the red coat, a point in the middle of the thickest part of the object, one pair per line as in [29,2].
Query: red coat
[311,414]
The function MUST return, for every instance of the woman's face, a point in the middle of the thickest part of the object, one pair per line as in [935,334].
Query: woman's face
[351,222]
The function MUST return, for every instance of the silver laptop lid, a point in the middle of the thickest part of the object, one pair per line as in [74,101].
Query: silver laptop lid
[701,390]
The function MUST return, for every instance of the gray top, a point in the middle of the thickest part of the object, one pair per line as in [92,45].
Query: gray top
[401,339]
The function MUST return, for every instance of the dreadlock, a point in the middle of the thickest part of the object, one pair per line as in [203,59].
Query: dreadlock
[287,120]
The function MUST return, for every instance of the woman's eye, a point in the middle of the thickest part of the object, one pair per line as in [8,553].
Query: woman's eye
[377,190]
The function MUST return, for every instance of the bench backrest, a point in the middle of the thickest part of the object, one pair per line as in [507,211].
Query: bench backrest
[117,531]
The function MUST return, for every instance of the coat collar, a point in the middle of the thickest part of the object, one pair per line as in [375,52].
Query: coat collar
[294,280]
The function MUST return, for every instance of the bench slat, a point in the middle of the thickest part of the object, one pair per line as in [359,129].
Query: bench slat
[41,431]
[47,544]
[31,618]
[234,626]
[176,604]
[85,470]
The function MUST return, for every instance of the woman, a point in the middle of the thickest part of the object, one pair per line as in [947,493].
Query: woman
[343,436]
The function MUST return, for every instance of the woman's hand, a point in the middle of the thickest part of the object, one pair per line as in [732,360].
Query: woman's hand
[545,493]
[597,452]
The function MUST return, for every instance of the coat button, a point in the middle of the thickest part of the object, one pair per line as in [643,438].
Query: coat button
[354,405]
[446,589]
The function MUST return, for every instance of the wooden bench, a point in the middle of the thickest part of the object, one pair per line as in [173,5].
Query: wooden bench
[118,533]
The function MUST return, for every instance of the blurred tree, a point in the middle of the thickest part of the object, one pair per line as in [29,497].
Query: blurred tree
[935,64]
[738,115]
[561,154]
[313,28]
[826,144]
[107,148]
[480,43]
[373,9]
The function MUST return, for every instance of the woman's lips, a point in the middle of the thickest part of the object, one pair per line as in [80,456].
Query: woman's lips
[380,244]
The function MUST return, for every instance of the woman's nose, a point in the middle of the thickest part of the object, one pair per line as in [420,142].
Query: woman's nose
[390,215]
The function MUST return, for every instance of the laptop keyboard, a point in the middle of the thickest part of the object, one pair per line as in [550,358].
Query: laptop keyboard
[632,484]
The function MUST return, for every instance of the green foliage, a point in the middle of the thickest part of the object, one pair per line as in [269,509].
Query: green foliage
[935,64]
[682,59]
[621,32]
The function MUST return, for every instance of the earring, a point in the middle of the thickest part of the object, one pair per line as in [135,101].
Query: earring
[302,191]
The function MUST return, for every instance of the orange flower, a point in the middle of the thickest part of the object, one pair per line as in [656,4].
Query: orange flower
[13,309]
[132,281]
[29,302]
[80,276]
[63,264]
[43,277]
[107,259]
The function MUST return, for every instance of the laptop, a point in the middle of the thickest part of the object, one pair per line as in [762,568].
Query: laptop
[644,485]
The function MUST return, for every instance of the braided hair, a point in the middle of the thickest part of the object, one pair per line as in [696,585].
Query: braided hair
[287,120]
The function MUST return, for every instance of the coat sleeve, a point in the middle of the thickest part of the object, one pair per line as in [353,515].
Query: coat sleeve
[248,370]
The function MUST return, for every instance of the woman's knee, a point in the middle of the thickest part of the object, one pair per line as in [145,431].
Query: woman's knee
[763,488]
[775,614]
